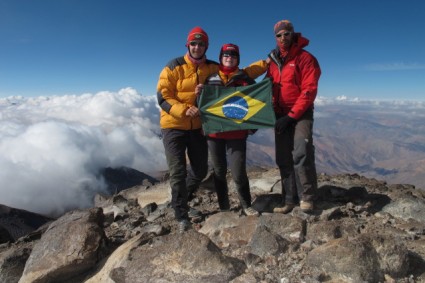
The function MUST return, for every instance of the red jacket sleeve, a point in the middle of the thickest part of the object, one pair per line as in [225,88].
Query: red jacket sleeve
[310,74]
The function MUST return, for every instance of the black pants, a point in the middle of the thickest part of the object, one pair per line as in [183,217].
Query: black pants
[296,161]
[235,151]
[183,182]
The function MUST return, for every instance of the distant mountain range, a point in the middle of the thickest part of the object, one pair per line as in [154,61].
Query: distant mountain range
[385,141]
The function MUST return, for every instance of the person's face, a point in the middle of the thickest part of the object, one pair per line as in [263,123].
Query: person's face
[229,60]
[284,37]
[197,49]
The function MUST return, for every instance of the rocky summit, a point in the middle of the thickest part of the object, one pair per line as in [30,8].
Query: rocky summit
[361,230]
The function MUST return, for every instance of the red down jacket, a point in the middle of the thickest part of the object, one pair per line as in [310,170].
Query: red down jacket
[295,79]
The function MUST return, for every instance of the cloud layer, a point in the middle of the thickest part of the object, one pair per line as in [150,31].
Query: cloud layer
[52,148]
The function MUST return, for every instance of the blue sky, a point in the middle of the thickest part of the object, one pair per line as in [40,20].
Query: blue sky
[367,49]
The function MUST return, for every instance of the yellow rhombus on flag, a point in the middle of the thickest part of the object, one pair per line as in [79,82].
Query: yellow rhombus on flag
[236,108]
[223,109]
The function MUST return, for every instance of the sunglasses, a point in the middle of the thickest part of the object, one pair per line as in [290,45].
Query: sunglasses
[230,55]
[199,43]
[286,33]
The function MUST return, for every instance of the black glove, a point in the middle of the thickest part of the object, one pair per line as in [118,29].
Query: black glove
[283,123]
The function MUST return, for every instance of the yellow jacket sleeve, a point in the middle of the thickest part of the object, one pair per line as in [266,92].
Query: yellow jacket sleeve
[167,87]
[256,69]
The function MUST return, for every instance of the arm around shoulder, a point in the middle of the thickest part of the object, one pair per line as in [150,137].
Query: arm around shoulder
[256,69]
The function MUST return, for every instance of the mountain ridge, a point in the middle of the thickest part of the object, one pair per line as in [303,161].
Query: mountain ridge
[371,141]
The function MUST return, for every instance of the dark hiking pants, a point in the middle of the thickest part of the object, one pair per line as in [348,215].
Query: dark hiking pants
[296,161]
[234,152]
[183,182]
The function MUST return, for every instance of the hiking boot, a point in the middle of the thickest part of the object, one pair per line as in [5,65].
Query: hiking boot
[223,203]
[184,225]
[285,209]
[306,205]
[224,207]
[194,215]
[249,211]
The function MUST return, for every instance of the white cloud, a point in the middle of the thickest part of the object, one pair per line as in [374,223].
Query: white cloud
[398,66]
[52,148]
[379,103]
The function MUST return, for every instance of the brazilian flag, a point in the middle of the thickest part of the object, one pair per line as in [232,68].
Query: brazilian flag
[236,108]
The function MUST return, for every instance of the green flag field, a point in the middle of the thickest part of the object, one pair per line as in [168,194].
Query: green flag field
[236,108]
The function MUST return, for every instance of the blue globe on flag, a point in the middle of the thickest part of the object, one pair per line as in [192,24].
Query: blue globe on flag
[235,108]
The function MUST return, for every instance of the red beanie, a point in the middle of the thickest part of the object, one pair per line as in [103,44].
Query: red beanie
[197,33]
[231,49]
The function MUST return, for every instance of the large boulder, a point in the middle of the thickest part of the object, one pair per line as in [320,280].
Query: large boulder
[229,229]
[190,257]
[362,258]
[69,247]
[406,207]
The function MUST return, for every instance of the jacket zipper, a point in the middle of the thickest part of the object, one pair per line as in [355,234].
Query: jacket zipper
[197,82]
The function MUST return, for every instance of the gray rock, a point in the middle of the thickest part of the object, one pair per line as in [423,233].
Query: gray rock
[245,278]
[12,262]
[264,242]
[362,230]
[407,207]
[291,228]
[325,231]
[69,247]
[228,229]
[189,257]
[364,258]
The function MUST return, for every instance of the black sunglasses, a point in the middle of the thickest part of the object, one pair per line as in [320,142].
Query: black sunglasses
[199,43]
[232,55]
[286,33]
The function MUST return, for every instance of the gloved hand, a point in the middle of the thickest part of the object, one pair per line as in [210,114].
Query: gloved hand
[283,123]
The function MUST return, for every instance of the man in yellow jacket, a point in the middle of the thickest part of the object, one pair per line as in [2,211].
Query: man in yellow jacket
[180,121]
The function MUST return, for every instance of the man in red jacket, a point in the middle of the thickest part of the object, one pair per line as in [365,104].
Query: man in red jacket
[295,74]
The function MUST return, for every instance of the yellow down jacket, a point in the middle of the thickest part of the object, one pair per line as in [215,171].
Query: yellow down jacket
[176,91]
